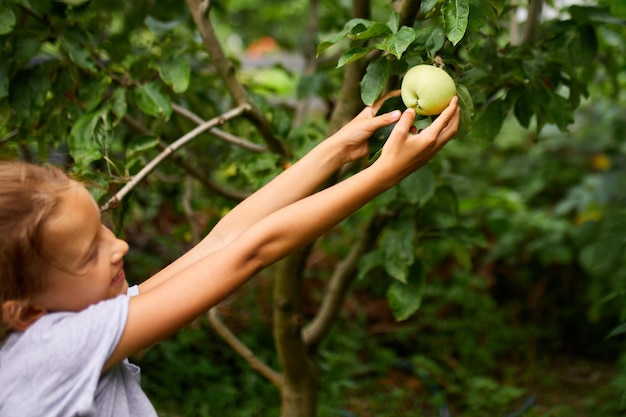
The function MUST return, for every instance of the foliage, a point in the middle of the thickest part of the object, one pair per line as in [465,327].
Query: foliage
[508,246]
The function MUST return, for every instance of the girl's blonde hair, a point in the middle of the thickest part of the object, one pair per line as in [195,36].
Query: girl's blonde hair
[29,197]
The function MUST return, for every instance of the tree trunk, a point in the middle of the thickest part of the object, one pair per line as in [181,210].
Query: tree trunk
[300,380]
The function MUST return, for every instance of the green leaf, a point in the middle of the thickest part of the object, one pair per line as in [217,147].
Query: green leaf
[370,261]
[606,251]
[397,245]
[151,100]
[339,36]
[523,107]
[4,81]
[93,91]
[118,103]
[432,38]
[7,18]
[442,209]
[78,54]
[374,30]
[455,19]
[584,47]
[561,111]
[5,113]
[176,73]
[621,329]
[618,8]
[138,146]
[159,27]
[397,43]
[374,80]
[428,5]
[489,124]
[83,141]
[394,22]
[406,298]
[28,92]
[73,2]
[419,187]
[352,55]
[466,104]
[479,11]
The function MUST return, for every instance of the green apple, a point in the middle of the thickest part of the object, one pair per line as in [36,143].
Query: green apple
[427,89]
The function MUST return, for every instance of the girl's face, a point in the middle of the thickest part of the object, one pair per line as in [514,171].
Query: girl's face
[87,259]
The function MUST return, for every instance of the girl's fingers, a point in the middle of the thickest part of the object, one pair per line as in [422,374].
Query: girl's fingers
[446,115]
[404,125]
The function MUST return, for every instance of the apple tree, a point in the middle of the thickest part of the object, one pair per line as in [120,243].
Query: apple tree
[163,109]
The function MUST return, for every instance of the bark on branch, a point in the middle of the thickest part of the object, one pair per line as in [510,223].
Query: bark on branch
[255,363]
[339,284]
[169,150]
[408,12]
[228,137]
[535,8]
[226,70]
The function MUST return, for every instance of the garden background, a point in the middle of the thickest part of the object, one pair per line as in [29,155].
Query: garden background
[490,283]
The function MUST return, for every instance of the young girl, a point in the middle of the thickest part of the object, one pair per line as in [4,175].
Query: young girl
[69,319]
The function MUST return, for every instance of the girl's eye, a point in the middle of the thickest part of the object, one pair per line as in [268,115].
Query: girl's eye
[94,254]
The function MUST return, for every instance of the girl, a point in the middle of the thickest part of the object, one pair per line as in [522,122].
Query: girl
[70,317]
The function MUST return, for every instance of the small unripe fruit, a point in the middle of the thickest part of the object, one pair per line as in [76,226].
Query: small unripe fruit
[427,89]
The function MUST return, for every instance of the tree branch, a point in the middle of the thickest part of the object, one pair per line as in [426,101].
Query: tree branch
[255,363]
[187,166]
[340,281]
[225,68]
[535,9]
[170,149]
[349,99]
[228,137]
[408,12]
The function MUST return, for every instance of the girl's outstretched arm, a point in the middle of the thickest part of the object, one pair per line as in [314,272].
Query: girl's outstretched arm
[156,314]
[296,182]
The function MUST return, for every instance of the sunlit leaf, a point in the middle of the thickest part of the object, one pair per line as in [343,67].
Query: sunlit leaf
[397,43]
[151,99]
[82,142]
[176,73]
[466,104]
[455,18]
[368,31]
[352,55]
[374,81]
[393,22]
[78,54]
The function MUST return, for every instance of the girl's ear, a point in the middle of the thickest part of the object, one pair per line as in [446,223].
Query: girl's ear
[19,315]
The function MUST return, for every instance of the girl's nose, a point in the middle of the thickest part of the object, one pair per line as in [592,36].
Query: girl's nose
[119,251]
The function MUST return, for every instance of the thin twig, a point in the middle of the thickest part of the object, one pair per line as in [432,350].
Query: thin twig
[189,213]
[226,70]
[117,198]
[339,284]
[243,351]
[207,181]
[228,137]
[9,135]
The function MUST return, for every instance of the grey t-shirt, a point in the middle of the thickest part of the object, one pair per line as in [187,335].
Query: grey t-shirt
[54,368]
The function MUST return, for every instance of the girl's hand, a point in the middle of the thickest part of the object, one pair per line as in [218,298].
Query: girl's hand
[353,136]
[405,152]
